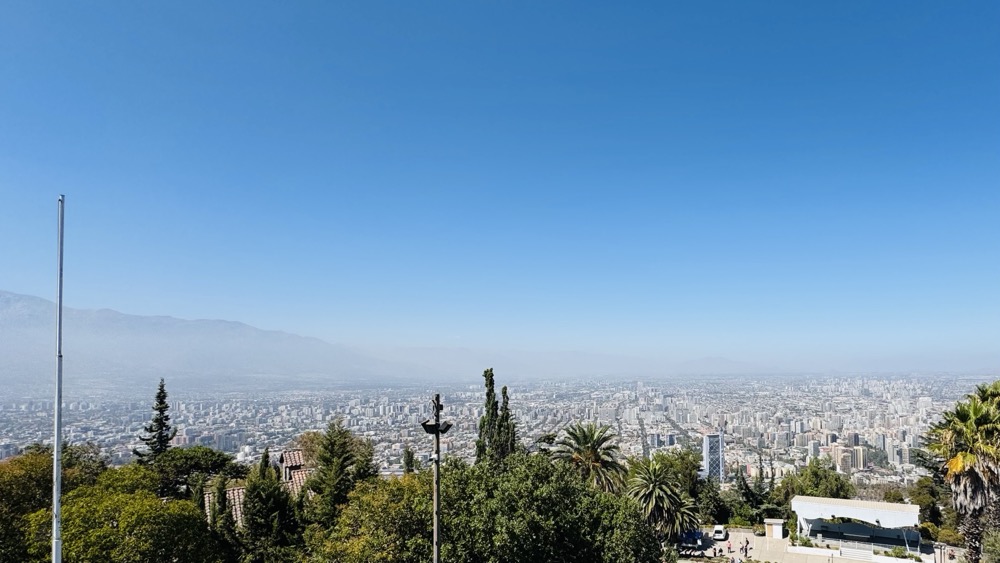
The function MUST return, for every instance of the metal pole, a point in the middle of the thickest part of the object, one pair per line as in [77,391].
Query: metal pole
[57,434]
[437,474]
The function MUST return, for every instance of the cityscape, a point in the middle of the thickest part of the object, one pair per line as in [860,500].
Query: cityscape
[865,425]
[509,282]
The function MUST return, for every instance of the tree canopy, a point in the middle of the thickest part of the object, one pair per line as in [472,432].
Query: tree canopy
[531,510]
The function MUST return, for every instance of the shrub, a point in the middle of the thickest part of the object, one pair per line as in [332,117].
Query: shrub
[739,522]
[900,552]
[928,531]
[950,537]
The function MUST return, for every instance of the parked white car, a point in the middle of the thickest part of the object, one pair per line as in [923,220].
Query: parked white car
[719,533]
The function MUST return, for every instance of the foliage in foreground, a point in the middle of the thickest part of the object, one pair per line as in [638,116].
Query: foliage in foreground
[530,510]
[120,519]
[967,443]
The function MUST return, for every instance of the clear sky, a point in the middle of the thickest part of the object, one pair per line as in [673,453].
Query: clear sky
[792,184]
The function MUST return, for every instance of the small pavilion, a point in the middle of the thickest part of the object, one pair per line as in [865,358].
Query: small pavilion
[884,524]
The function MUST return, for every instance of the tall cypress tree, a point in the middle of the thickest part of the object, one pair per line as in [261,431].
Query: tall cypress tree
[269,525]
[222,520]
[488,422]
[506,435]
[497,432]
[159,432]
[198,491]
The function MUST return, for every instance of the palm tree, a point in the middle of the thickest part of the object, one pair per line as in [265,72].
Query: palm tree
[663,504]
[990,393]
[968,440]
[591,450]
[684,518]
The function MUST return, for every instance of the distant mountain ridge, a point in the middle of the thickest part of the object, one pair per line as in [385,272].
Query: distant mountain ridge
[107,349]
[116,347]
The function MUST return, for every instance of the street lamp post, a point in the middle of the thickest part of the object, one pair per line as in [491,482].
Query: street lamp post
[437,428]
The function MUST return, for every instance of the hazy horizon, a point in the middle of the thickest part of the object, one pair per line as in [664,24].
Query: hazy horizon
[448,362]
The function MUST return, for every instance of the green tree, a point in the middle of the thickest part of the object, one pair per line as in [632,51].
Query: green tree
[660,499]
[893,495]
[159,432]
[591,450]
[343,461]
[758,497]
[222,520]
[989,393]
[180,467]
[497,431]
[712,508]
[506,431]
[269,528]
[926,494]
[26,486]
[818,479]
[966,440]
[682,464]
[122,520]
[525,510]
[387,521]
[410,463]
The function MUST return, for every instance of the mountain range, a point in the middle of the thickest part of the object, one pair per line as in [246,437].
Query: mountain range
[106,349]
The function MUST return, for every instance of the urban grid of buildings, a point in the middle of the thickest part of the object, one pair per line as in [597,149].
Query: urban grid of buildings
[867,426]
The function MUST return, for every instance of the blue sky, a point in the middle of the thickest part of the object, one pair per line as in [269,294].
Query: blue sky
[797,185]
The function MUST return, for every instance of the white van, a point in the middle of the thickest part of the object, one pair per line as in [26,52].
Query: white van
[719,533]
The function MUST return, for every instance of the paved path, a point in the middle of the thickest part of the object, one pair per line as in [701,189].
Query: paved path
[762,549]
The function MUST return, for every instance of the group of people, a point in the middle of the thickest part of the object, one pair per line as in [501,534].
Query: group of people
[744,551]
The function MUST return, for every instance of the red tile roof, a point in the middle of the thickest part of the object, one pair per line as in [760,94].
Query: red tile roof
[291,459]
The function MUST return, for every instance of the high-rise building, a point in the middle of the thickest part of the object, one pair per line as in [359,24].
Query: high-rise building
[713,456]
[860,457]
[814,448]
[844,460]
[881,442]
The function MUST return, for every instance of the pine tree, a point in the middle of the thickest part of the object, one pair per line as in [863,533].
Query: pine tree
[343,460]
[269,525]
[159,432]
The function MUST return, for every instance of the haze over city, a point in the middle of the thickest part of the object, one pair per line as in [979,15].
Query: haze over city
[509,282]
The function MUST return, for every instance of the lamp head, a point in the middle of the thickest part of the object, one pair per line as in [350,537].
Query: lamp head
[445,426]
[429,427]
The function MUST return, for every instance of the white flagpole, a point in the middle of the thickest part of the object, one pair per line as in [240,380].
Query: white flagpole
[57,437]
